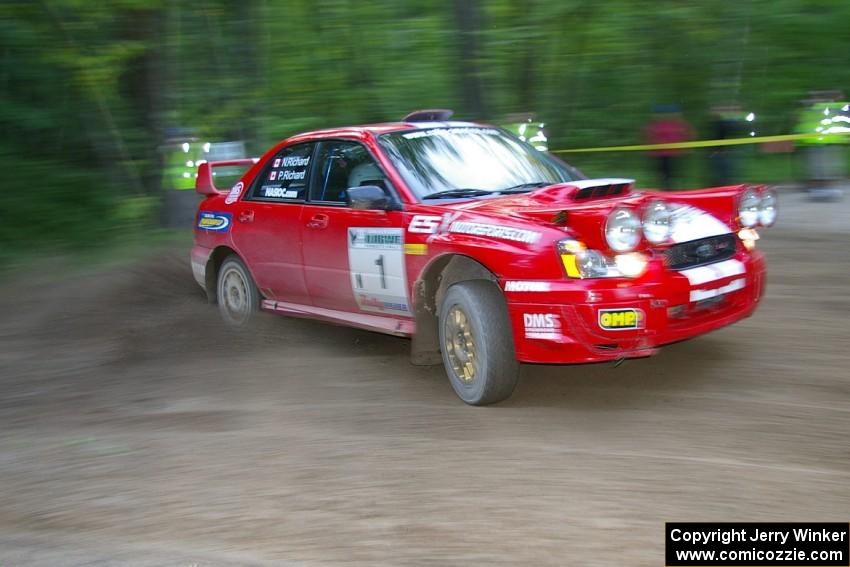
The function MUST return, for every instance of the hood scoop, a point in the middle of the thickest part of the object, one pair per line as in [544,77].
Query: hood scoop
[584,190]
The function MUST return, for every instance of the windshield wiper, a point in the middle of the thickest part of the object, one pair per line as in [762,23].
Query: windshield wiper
[471,192]
[526,187]
[450,193]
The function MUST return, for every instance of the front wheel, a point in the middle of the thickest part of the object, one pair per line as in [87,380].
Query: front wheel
[237,295]
[477,344]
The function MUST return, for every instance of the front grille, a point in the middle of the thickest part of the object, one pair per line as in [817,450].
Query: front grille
[700,252]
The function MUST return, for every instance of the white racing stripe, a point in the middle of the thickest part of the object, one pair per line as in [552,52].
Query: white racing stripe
[734,285]
[690,223]
[704,274]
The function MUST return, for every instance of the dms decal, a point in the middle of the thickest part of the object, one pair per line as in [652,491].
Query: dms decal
[234,194]
[542,325]
[495,231]
[426,224]
[214,222]
[621,319]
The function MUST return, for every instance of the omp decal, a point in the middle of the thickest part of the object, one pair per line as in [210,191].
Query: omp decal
[426,224]
[734,285]
[621,319]
[704,274]
[235,191]
[376,265]
[542,325]
[495,231]
[690,223]
[527,286]
[215,222]
[416,249]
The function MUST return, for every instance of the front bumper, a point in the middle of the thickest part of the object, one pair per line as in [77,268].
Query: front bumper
[574,321]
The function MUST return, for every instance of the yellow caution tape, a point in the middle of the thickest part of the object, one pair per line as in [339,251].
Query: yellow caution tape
[704,143]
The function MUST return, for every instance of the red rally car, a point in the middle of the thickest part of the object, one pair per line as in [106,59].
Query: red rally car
[484,250]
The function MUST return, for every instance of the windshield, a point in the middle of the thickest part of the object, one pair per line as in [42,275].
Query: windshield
[470,161]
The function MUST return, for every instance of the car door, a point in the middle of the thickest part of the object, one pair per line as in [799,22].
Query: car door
[353,259]
[268,217]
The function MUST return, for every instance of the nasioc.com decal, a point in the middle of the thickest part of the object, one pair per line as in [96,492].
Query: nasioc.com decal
[215,222]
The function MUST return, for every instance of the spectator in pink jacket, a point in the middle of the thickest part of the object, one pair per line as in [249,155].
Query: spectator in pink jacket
[667,127]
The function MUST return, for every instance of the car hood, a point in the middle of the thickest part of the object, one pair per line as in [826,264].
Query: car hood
[539,205]
[581,208]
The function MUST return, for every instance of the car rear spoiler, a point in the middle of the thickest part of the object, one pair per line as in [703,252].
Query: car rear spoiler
[204,182]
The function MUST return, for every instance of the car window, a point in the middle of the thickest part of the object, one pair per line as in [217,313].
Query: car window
[342,165]
[286,176]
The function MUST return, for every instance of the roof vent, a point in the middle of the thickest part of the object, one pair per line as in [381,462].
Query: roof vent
[429,115]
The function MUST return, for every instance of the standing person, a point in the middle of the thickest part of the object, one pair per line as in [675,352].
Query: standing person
[667,127]
[726,123]
[825,113]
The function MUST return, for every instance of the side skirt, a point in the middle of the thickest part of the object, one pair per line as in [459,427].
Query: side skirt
[387,325]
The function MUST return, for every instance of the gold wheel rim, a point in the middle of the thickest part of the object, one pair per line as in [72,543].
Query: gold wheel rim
[460,345]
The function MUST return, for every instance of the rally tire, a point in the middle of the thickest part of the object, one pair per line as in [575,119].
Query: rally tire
[236,293]
[477,344]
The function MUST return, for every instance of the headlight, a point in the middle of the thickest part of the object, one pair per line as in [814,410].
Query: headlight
[749,208]
[656,222]
[768,207]
[622,230]
[631,265]
[579,262]
[592,264]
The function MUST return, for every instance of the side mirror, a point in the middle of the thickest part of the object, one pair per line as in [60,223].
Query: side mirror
[369,197]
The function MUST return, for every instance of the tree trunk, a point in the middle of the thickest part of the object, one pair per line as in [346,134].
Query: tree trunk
[468,17]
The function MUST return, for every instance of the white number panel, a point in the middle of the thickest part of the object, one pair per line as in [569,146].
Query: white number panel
[376,263]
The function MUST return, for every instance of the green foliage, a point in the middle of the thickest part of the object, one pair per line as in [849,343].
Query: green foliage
[90,88]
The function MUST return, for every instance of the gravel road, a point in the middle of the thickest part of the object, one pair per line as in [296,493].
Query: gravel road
[135,431]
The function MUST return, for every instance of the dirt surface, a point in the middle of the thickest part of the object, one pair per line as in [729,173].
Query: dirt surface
[135,431]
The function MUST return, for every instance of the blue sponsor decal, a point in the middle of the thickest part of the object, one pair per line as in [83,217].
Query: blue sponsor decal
[215,222]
